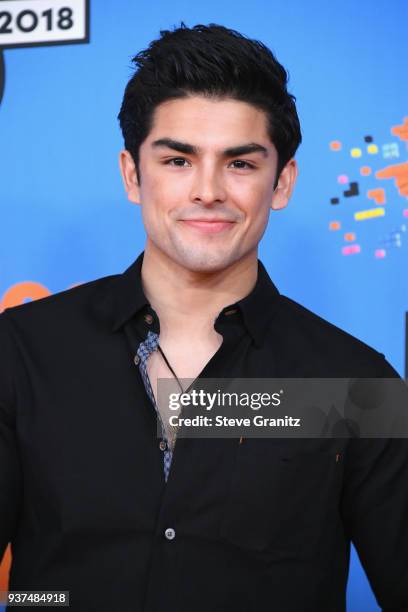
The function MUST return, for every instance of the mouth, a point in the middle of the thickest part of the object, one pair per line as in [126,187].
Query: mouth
[208,226]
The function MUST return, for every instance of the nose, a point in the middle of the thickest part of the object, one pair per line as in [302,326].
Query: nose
[207,187]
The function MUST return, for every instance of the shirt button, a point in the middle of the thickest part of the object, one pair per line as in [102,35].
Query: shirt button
[170,533]
[148,318]
[162,445]
[136,359]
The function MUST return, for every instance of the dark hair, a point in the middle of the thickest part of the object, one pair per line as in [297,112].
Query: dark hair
[212,61]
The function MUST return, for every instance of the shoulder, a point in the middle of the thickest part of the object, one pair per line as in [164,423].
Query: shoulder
[60,308]
[328,349]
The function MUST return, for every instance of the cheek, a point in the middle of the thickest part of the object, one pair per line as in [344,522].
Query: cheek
[162,191]
[259,222]
[255,188]
[254,201]
[158,200]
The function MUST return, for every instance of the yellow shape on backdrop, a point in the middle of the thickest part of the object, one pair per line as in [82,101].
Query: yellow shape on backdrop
[369,214]
[372,149]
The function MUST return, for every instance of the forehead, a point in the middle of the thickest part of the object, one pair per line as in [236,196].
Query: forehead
[210,122]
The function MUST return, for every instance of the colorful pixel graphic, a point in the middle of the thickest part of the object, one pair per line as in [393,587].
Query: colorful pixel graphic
[353,206]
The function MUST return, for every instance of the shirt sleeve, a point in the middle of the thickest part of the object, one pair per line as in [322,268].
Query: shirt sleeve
[375,510]
[10,471]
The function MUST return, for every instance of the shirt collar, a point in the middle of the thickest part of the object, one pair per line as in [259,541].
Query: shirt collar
[128,296]
[126,299]
[259,306]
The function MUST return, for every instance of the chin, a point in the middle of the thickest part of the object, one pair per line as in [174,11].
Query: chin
[204,262]
[203,268]
[201,258]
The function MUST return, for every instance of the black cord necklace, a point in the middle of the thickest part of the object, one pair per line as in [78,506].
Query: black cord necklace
[179,383]
[170,368]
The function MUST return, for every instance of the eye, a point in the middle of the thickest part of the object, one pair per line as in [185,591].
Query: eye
[176,161]
[243,164]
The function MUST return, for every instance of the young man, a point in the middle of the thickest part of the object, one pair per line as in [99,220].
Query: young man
[91,500]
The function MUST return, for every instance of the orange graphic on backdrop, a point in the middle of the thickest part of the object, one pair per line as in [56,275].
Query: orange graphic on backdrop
[4,569]
[20,292]
[335,145]
[334,225]
[399,172]
[401,130]
[378,195]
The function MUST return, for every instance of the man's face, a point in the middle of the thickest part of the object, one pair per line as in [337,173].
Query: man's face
[207,173]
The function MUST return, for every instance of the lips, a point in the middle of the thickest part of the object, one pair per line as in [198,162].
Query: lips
[208,226]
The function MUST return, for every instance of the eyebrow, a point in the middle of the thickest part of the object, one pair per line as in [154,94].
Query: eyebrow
[184,147]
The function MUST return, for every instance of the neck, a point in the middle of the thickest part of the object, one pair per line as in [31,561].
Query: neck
[187,302]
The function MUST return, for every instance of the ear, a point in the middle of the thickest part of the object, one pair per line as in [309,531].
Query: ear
[129,176]
[286,183]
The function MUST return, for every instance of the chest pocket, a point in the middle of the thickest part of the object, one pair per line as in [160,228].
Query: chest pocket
[282,501]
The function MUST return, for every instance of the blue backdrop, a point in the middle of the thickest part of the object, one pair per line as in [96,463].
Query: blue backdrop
[341,246]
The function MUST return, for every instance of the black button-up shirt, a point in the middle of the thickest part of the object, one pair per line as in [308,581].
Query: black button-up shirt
[266,524]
